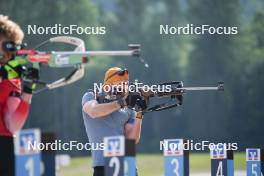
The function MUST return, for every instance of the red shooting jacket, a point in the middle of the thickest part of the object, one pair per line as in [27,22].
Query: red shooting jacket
[11,107]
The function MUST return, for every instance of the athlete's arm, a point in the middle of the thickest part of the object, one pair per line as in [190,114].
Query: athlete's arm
[26,97]
[16,113]
[133,129]
[95,110]
[15,107]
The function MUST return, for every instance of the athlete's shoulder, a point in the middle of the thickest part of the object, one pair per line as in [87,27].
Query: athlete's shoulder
[11,84]
[88,96]
[89,91]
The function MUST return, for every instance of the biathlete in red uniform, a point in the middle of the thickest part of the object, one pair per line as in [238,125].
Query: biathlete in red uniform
[15,95]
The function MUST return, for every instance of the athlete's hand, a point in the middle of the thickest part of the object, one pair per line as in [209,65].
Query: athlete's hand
[30,77]
[141,105]
[131,100]
[137,102]
[140,115]
[122,102]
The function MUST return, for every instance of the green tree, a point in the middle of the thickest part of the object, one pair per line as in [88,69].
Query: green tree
[211,61]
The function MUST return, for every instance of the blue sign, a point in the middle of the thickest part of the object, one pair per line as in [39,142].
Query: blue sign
[27,153]
[176,160]
[130,166]
[218,152]
[114,166]
[117,162]
[26,142]
[114,146]
[253,154]
[173,147]
[28,165]
[173,165]
[222,162]
[254,163]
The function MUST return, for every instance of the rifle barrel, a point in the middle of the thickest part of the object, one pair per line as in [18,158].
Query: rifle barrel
[180,91]
[198,88]
[98,53]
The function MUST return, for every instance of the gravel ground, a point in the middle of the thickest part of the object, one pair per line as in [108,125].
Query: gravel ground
[237,173]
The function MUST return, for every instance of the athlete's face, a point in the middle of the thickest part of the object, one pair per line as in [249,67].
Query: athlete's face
[123,85]
[4,56]
[1,50]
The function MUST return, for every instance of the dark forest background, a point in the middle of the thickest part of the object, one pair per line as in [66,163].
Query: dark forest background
[235,115]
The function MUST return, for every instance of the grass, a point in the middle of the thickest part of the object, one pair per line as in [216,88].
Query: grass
[149,164]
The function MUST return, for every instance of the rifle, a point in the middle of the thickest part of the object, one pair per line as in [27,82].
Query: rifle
[175,95]
[75,59]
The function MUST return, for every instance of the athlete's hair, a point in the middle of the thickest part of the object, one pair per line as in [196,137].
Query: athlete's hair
[10,30]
